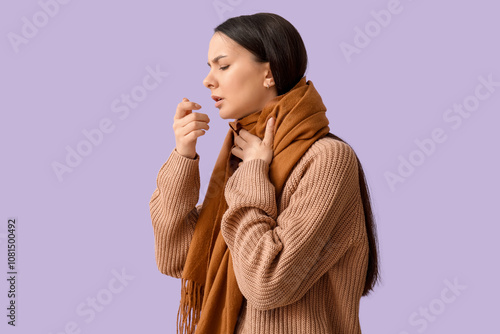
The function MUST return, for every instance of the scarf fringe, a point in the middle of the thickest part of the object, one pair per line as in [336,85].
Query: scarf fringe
[190,307]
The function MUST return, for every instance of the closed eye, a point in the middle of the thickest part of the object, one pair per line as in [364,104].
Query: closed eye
[224,67]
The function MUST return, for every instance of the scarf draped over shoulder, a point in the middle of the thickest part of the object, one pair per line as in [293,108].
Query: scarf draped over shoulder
[210,297]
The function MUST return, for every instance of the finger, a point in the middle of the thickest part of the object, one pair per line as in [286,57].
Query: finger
[237,151]
[185,108]
[247,137]
[242,133]
[180,112]
[269,134]
[192,122]
[193,117]
[240,142]
[195,126]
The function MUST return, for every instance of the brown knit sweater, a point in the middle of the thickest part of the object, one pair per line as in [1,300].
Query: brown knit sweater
[301,273]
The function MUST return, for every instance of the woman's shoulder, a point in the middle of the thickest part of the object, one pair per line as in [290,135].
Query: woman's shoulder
[326,154]
[327,163]
[330,150]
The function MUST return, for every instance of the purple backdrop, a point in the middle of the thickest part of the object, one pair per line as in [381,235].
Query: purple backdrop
[413,86]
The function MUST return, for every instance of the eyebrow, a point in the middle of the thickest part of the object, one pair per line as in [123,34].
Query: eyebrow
[216,59]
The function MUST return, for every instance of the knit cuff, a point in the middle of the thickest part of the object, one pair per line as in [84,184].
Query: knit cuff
[180,164]
[250,186]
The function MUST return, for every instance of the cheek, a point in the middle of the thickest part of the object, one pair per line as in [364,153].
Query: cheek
[237,88]
[235,82]
[242,89]
[245,85]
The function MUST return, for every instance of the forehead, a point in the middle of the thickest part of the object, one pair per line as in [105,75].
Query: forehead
[221,44]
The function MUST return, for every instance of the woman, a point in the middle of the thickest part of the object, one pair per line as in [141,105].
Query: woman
[284,241]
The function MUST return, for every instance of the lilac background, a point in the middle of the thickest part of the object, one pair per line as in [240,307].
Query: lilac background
[439,224]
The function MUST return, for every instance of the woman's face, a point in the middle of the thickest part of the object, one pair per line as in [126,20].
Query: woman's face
[237,78]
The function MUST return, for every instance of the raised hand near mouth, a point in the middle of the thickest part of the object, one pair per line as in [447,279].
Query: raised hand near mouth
[188,126]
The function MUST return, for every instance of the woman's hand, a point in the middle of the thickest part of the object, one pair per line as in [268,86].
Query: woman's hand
[249,147]
[188,126]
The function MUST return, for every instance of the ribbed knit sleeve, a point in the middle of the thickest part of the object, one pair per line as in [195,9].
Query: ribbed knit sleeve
[174,212]
[277,259]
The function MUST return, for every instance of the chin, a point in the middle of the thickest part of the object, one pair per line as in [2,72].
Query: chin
[224,115]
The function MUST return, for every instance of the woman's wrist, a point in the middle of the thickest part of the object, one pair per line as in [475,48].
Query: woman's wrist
[187,155]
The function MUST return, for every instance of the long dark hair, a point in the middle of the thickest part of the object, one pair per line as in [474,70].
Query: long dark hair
[271,38]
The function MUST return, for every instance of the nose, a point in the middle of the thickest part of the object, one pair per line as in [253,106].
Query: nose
[209,81]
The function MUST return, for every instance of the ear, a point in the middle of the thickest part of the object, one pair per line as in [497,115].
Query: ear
[268,75]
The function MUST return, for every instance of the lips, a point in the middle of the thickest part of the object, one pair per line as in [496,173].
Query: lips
[218,100]
[218,103]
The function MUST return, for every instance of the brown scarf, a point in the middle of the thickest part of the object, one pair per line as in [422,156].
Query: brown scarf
[210,297]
